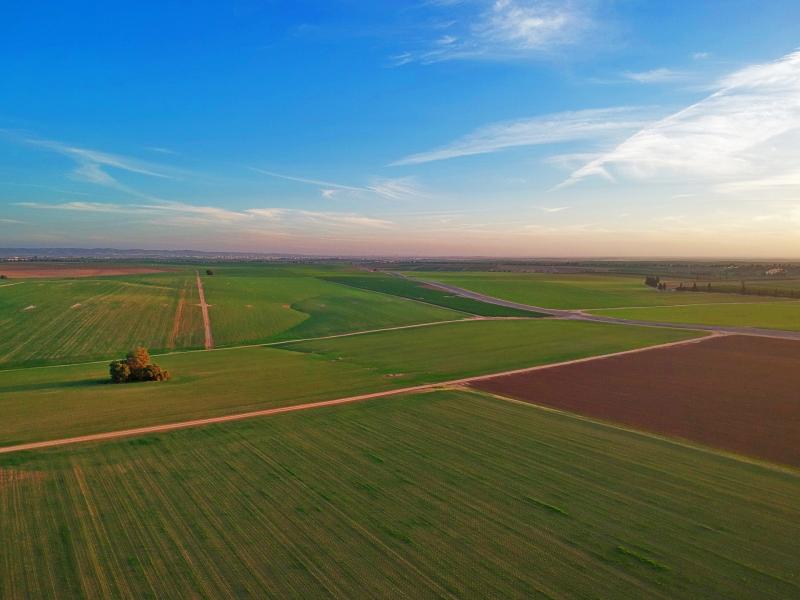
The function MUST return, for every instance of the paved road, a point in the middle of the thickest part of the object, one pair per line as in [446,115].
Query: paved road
[122,433]
[577,315]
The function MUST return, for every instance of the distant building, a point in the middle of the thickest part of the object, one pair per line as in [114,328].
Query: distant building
[775,271]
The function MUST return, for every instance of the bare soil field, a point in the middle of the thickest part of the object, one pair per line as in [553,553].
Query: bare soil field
[736,393]
[37,271]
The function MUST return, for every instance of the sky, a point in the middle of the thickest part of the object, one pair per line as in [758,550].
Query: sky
[535,128]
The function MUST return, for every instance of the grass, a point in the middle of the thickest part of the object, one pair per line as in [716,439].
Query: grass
[424,496]
[73,320]
[45,321]
[54,402]
[254,305]
[571,291]
[406,288]
[457,350]
[773,315]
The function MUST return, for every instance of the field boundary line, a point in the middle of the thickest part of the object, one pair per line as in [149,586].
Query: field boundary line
[683,443]
[165,427]
[209,338]
[284,342]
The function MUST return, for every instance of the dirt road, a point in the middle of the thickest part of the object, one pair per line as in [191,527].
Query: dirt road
[209,338]
[577,315]
[96,437]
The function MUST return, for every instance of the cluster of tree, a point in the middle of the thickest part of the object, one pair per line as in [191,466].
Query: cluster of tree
[655,281]
[209,271]
[747,290]
[136,367]
[3,276]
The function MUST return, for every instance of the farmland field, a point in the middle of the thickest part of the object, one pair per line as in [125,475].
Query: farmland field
[573,291]
[784,314]
[51,321]
[737,393]
[53,402]
[80,319]
[258,305]
[406,288]
[446,494]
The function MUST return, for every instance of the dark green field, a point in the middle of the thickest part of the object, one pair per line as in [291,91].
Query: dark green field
[445,494]
[406,288]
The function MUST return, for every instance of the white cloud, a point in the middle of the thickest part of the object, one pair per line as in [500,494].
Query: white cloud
[547,129]
[701,55]
[99,207]
[749,129]
[504,29]
[661,75]
[401,188]
[554,209]
[91,163]
[190,214]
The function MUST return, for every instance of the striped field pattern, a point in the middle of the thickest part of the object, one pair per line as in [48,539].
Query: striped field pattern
[447,494]
[52,320]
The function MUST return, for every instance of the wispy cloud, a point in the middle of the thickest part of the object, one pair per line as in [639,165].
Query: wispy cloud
[94,166]
[323,218]
[749,129]
[94,207]
[554,209]
[548,129]
[493,29]
[661,75]
[190,214]
[401,188]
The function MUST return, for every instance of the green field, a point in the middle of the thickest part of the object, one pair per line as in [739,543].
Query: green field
[571,291]
[79,319]
[772,315]
[249,306]
[52,402]
[445,494]
[406,288]
[51,321]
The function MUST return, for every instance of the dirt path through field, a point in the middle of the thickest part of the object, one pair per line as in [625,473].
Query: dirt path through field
[580,315]
[209,341]
[96,437]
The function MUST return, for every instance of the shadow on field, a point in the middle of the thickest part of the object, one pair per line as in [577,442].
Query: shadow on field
[26,387]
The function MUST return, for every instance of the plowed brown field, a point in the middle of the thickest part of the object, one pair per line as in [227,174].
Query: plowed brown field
[737,393]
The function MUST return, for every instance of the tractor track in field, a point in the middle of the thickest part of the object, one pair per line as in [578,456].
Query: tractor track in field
[209,337]
[165,427]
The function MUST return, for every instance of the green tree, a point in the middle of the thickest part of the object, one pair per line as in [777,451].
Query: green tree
[120,371]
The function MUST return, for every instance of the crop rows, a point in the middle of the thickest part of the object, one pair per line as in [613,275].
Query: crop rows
[67,320]
[445,494]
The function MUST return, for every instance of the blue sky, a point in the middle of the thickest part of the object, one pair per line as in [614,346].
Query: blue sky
[471,127]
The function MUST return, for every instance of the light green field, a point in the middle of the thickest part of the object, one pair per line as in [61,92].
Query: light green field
[52,321]
[79,319]
[568,291]
[258,305]
[446,494]
[773,315]
[53,402]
